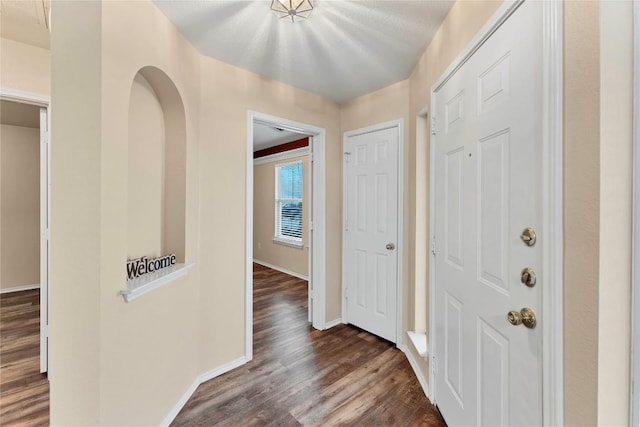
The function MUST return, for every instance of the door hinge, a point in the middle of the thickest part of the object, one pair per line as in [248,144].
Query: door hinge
[310,225]
[434,364]
[433,125]
[346,156]
[45,331]
[346,293]
[433,245]
[45,234]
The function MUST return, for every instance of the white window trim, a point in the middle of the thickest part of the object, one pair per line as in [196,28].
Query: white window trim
[289,242]
[277,232]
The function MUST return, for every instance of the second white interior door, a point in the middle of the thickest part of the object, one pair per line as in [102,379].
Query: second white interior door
[371,231]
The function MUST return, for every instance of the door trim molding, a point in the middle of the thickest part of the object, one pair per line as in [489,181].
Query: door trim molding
[23,97]
[318,203]
[635,260]
[399,124]
[552,203]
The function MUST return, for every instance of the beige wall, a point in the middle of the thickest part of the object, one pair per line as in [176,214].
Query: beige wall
[225,101]
[616,153]
[24,67]
[581,211]
[20,206]
[148,347]
[157,345]
[146,172]
[264,248]
[74,310]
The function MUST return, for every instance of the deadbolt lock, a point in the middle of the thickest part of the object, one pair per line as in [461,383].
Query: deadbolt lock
[528,277]
[524,317]
[528,236]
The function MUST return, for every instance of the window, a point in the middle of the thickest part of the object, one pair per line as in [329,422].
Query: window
[288,226]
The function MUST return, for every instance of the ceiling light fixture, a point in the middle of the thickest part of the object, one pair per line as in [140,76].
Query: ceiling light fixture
[294,10]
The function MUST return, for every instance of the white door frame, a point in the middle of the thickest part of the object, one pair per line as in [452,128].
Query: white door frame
[43,101]
[317,276]
[635,261]
[552,199]
[399,124]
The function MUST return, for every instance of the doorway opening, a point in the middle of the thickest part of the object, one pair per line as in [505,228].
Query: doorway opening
[25,201]
[285,231]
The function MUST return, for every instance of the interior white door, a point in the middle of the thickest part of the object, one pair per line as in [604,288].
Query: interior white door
[371,231]
[44,240]
[487,163]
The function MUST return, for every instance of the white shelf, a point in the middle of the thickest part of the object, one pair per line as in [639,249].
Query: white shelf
[149,282]
[419,342]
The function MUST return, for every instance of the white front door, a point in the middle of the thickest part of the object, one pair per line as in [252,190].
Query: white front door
[371,230]
[488,159]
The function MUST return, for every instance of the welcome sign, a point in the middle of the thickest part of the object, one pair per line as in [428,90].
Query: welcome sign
[141,266]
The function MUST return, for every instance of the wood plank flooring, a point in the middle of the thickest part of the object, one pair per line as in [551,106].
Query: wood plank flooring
[301,376]
[24,392]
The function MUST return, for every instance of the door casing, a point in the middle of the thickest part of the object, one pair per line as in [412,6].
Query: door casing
[399,124]
[552,199]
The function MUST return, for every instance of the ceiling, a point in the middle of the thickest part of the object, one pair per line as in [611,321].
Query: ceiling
[26,21]
[266,136]
[344,50]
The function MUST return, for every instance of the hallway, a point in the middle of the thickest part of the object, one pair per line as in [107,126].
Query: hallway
[302,376]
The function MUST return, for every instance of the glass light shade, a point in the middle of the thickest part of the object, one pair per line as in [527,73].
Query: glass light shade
[293,10]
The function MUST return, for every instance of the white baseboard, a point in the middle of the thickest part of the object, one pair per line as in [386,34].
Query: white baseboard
[282,270]
[416,370]
[196,383]
[19,288]
[333,323]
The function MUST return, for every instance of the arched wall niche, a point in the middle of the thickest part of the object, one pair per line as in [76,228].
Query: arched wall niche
[156,167]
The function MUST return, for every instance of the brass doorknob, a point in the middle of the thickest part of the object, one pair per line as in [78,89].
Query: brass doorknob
[391,246]
[528,277]
[524,317]
[528,236]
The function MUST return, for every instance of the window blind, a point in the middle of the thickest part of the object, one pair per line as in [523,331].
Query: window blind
[289,187]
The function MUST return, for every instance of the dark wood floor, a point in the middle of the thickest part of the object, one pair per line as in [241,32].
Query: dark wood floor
[24,392]
[301,376]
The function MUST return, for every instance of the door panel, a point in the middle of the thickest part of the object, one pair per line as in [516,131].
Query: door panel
[487,190]
[371,222]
